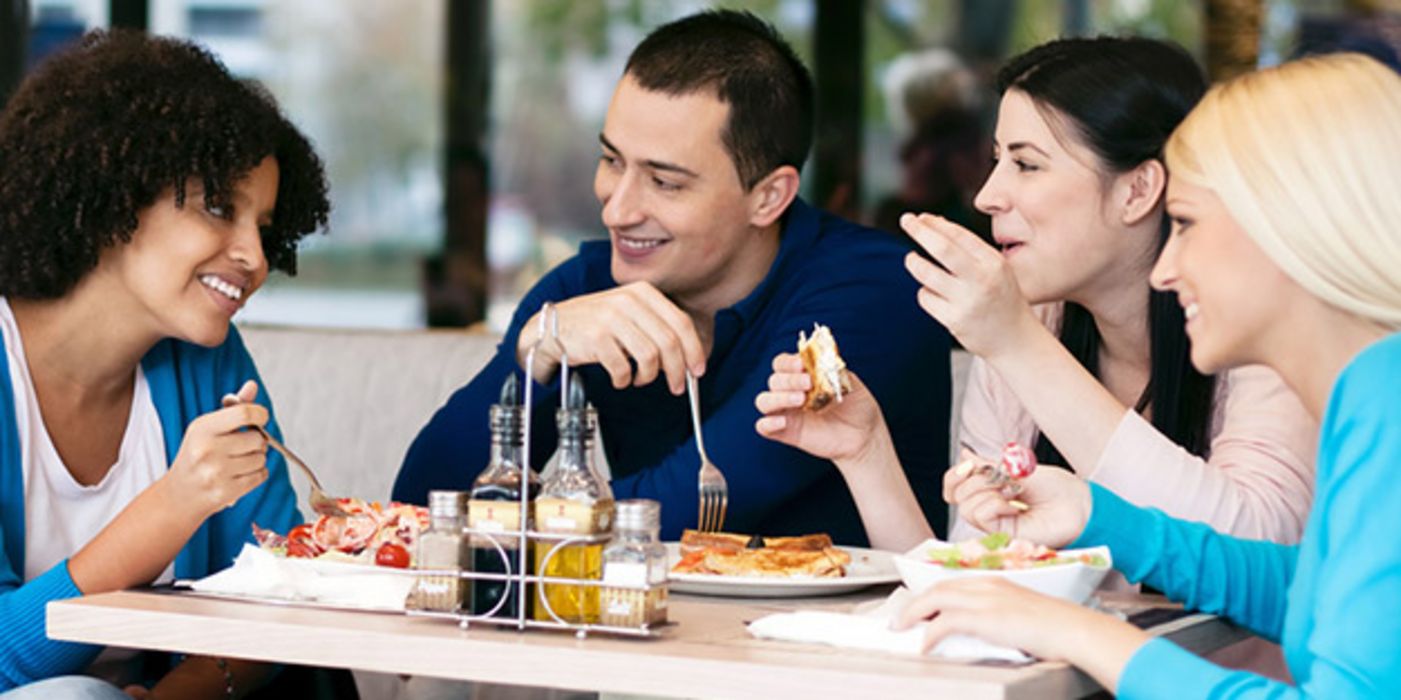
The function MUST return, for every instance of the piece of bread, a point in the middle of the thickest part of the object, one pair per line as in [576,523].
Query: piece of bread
[777,563]
[824,364]
[695,540]
[805,543]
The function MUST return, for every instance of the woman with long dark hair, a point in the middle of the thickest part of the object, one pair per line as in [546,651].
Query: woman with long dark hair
[1075,353]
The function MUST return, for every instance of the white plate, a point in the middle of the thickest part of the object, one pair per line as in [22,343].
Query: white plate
[869,567]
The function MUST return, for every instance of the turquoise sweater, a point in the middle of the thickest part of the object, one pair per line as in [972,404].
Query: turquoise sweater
[186,381]
[1333,601]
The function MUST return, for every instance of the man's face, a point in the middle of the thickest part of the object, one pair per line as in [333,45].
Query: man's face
[676,211]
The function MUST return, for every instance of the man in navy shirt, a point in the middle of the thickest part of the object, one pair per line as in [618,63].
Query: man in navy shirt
[713,265]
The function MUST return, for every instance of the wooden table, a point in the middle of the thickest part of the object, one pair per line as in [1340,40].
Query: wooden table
[709,654]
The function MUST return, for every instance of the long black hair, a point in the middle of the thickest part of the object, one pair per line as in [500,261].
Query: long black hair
[1123,97]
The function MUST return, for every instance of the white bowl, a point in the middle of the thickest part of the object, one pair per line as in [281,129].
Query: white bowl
[1074,581]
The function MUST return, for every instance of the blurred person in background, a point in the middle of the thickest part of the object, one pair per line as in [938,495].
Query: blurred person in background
[935,107]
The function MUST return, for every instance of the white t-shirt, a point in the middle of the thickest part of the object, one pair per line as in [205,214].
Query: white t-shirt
[61,515]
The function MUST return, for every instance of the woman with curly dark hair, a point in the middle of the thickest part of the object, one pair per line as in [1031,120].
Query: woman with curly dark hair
[145,194]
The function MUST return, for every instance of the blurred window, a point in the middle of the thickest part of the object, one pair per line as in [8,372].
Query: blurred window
[362,79]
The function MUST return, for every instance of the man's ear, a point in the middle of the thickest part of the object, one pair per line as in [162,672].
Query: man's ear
[1143,190]
[770,197]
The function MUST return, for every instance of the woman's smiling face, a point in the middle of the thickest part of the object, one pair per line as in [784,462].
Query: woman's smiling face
[1232,294]
[188,269]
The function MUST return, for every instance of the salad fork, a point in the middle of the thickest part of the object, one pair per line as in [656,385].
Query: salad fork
[319,501]
[714,492]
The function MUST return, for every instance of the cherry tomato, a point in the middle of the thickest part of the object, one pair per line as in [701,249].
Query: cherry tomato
[394,555]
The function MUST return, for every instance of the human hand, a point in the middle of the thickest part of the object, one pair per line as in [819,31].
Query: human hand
[974,294]
[840,431]
[1000,612]
[1056,503]
[138,692]
[219,461]
[634,323]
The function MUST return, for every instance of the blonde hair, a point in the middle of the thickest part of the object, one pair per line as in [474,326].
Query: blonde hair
[1307,158]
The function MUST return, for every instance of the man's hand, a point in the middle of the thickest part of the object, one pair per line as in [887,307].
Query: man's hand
[617,328]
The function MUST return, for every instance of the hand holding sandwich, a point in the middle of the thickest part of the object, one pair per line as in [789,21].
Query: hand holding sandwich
[839,431]
[830,413]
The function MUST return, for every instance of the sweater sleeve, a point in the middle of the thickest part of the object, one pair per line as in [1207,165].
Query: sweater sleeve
[1345,638]
[26,652]
[1258,481]
[1242,580]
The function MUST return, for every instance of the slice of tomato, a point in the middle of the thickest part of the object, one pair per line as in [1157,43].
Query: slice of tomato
[305,549]
[394,555]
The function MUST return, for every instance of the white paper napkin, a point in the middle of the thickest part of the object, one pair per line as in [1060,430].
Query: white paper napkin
[262,574]
[870,630]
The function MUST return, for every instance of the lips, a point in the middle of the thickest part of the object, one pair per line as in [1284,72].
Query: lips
[228,294]
[633,248]
[232,291]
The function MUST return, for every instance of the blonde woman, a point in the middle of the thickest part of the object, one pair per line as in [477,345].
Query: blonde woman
[1285,251]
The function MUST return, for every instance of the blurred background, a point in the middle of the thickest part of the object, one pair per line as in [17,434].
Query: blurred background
[461,135]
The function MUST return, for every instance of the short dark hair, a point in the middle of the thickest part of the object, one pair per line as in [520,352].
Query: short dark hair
[749,67]
[102,129]
[1123,97]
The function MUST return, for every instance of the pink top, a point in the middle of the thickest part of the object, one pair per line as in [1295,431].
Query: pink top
[1257,482]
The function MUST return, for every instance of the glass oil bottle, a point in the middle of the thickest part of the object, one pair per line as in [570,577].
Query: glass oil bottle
[574,500]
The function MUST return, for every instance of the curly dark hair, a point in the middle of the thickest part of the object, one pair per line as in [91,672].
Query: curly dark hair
[102,129]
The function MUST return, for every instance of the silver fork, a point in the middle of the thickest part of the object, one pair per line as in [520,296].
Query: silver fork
[319,501]
[714,492]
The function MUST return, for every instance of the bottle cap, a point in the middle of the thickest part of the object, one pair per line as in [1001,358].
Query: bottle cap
[507,417]
[577,419]
[638,514]
[447,504]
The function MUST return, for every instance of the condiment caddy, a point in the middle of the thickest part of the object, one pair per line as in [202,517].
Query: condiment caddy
[542,552]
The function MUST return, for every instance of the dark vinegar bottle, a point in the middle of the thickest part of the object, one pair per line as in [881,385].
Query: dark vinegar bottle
[495,513]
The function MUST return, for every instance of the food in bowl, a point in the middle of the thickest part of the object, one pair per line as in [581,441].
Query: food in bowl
[1070,574]
[369,533]
[1001,551]
[733,554]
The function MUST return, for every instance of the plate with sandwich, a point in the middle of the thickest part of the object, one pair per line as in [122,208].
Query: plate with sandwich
[752,566]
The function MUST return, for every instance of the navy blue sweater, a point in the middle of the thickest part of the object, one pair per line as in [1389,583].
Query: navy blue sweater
[828,271]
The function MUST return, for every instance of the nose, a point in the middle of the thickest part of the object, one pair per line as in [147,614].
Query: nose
[621,197]
[1164,274]
[992,198]
[246,248]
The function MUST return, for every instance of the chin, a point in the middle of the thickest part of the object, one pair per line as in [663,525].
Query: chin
[209,337]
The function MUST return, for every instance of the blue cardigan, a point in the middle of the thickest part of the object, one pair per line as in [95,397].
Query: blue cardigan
[1333,601]
[186,381]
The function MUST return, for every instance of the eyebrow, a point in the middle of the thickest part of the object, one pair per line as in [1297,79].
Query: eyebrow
[1019,145]
[653,164]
